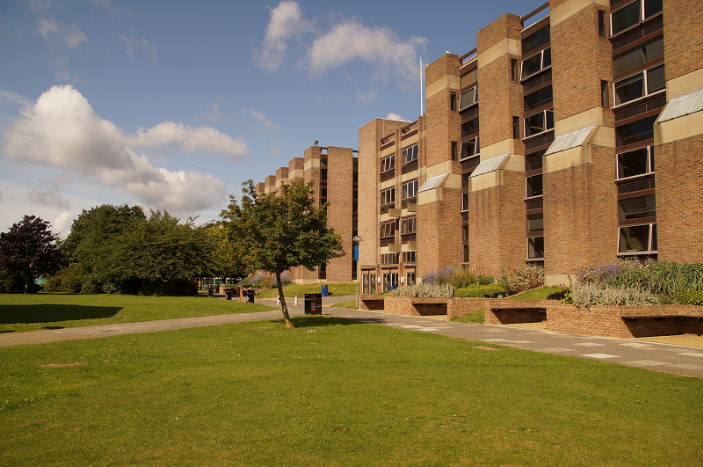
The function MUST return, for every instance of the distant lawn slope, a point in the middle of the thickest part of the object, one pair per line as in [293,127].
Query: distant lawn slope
[334,392]
[51,311]
[291,290]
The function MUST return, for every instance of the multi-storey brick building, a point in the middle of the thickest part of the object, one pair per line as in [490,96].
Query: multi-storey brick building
[334,172]
[576,112]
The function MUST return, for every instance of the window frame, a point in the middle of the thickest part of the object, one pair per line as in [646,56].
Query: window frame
[407,223]
[650,241]
[391,160]
[541,61]
[641,18]
[387,229]
[528,198]
[404,152]
[646,92]
[477,147]
[544,116]
[403,191]
[650,163]
[474,99]
[391,195]
[536,258]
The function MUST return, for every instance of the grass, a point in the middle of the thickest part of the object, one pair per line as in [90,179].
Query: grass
[291,290]
[477,317]
[334,393]
[54,311]
[350,305]
[538,294]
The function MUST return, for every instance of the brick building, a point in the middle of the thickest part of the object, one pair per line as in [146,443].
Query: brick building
[576,112]
[320,165]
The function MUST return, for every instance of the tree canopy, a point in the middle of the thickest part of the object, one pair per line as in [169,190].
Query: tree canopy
[29,249]
[278,231]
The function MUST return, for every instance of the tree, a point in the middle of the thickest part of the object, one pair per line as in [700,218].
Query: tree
[29,249]
[274,233]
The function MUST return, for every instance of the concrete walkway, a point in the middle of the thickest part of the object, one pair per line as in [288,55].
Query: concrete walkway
[633,352]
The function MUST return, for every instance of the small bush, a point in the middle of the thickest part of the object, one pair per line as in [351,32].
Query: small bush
[591,294]
[14,284]
[458,278]
[480,291]
[519,280]
[691,297]
[424,290]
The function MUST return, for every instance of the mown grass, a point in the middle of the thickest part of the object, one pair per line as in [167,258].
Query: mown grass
[541,293]
[477,317]
[349,305]
[52,311]
[291,290]
[335,393]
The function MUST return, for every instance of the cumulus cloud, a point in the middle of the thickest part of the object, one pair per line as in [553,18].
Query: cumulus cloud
[62,223]
[62,130]
[58,35]
[50,197]
[139,45]
[380,47]
[286,22]
[392,116]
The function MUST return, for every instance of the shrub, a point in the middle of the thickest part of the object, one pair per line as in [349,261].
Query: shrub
[462,277]
[519,280]
[14,284]
[424,290]
[485,291]
[560,295]
[592,294]
[690,297]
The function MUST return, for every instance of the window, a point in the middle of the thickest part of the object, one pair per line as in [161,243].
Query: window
[538,98]
[637,239]
[535,40]
[455,151]
[388,163]
[470,127]
[388,196]
[535,248]
[452,101]
[539,122]
[534,185]
[464,202]
[409,154]
[535,222]
[323,162]
[323,174]
[388,229]
[637,162]
[601,23]
[635,132]
[642,84]
[534,161]
[516,127]
[536,63]
[513,69]
[410,278]
[469,78]
[468,98]
[638,56]
[409,256]
[323,192]
[465,232]
[408,225]
[389,258]
[368,284]
[470,148]
[409,189]
[633,13]
[465,254]
[635,208]
[604,94]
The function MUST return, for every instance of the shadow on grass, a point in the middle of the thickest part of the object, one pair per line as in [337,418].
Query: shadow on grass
[27,314]
[318,321]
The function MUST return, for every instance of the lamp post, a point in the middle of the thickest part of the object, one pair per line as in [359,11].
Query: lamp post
[357,239]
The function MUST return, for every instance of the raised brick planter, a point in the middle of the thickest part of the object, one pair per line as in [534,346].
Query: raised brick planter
[408,306]
[371,302]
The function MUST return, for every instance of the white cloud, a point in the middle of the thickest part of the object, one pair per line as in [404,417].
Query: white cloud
[267,124]
[392,116]
[49,197]
[139,45]
[61,130]
[286,23]
[12,98]
[62,223]
[350,40]
[189,139]
[58,35]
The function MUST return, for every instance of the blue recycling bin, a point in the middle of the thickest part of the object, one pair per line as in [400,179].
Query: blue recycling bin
[325,291]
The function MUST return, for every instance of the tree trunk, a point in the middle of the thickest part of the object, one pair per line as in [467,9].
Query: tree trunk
[284,307]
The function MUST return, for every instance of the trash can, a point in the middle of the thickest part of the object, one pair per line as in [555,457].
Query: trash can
[228,292]
[250,295]
[313,304]
[210,290]
[325,291]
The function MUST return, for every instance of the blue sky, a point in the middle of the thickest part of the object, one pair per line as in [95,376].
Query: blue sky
[172,105]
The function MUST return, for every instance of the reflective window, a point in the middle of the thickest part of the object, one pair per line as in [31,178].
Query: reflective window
[470,148]
[536,63]
[637,239]
[638,56]
[468,98]
[642,84]
[409,154]
[635,208]
[637,162]
[535,248]
[635,132]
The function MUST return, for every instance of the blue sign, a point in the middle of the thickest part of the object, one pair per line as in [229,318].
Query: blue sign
[356,252]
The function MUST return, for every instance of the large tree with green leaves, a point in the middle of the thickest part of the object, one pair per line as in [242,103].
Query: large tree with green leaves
[29,249]
[278,231]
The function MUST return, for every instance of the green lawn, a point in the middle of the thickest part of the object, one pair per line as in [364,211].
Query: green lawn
[334,393]
[349,305]
[51,311]
[291,290]
[478,317]
[538,294]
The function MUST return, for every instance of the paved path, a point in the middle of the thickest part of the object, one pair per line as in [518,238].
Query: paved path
[633,352]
